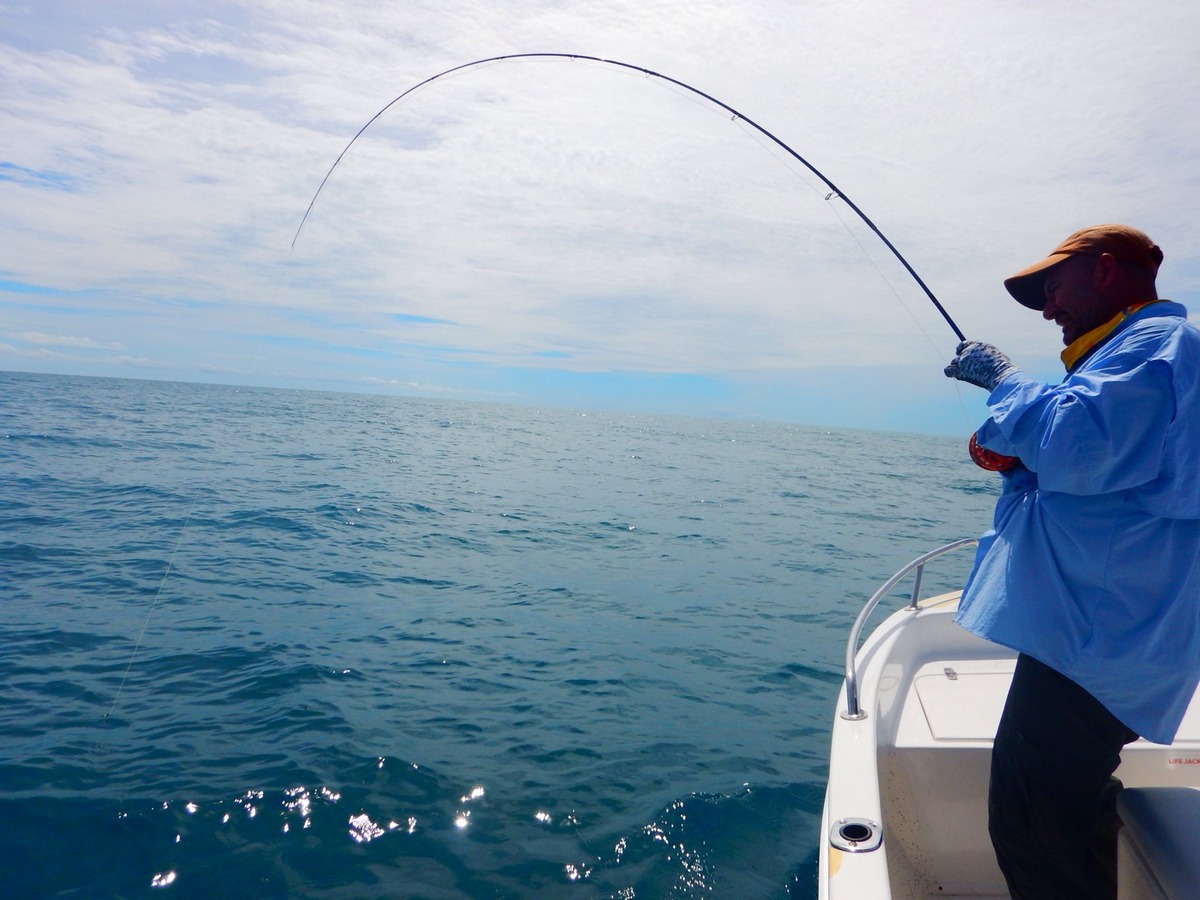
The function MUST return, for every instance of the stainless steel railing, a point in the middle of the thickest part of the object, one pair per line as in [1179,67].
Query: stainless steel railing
[853,711]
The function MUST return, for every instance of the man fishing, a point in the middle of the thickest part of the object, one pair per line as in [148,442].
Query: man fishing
[1092,568]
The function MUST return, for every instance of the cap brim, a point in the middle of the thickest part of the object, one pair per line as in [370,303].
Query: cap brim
[1028,285]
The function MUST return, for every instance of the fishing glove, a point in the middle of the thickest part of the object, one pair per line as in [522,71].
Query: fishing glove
[979,364]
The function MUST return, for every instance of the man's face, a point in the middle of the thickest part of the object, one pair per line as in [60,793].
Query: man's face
[1072,299]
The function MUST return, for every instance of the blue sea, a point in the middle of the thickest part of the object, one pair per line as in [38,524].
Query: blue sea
[272,643]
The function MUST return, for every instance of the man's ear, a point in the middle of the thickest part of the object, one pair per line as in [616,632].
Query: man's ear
[1107,270]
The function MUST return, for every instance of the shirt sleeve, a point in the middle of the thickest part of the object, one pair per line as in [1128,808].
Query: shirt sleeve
[1103,429]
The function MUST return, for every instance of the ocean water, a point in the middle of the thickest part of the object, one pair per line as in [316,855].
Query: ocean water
[266,643]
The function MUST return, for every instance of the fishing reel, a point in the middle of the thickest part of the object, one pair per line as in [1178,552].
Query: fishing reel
[989,459]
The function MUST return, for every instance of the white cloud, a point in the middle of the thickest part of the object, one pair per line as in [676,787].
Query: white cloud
[571,214]
[64,340]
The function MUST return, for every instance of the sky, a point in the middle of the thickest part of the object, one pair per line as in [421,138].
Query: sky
[575,233]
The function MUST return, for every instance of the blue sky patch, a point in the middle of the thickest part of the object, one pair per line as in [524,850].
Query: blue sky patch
[58,181]
[408,319]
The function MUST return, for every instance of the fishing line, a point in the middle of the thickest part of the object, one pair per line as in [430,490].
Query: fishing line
[882,275]
[162,584]
[738,116]
[962,405]
[829,198]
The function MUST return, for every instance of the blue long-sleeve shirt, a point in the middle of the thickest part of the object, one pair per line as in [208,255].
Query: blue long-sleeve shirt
[1093,562]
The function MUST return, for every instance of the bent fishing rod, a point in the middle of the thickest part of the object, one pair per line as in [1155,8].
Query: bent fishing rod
[835,191]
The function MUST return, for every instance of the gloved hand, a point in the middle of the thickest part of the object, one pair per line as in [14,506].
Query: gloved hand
[979,364]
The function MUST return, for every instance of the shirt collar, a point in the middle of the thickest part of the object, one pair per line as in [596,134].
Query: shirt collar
[1085,343]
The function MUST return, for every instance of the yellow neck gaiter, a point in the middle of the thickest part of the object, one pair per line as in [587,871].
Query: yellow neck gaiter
[1082,345]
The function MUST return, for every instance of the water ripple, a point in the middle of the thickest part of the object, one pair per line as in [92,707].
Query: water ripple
[278,643]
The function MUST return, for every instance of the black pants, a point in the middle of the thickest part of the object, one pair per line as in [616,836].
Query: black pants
[1052,800]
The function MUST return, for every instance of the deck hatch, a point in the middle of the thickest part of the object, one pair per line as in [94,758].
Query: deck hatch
[962,701]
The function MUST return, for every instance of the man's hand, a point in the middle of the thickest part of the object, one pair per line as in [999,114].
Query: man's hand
[979,364]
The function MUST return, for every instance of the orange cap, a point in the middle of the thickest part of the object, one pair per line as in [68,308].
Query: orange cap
[1125,243]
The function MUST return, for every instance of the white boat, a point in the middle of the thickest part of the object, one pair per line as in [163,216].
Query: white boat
[905,812]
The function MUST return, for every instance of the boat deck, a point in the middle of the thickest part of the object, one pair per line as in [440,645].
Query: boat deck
[917,762]
[942,748]
[956,703]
